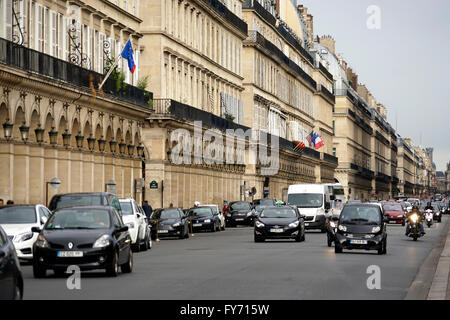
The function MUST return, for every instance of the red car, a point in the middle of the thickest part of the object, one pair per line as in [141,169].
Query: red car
[394,213]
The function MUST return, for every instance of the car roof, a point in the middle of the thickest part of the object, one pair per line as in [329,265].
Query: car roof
[109,208]
[19,205]
[85,193]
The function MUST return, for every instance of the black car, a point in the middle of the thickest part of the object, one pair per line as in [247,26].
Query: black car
[437,213]
[169,222]
[204,218]
[361,226]
[90,237]
[240,213]
[11,280]
[85,199]
[283,222]
[265,202]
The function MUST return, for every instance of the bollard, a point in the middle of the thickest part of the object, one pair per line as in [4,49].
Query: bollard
[157,231]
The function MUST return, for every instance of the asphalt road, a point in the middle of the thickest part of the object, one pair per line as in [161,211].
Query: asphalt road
[229,265]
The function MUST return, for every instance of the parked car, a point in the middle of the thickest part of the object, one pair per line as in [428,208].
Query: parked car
[170,222]
[394,213]
[204,218]
[91,237]
[361,226]
[240,213]
[283,222]
[17,221]
[85,199]
[217,211]
[138,227]
[11,279]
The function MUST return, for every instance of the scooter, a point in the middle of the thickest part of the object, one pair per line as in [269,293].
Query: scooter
[429,217]
[414,227]
[331,227]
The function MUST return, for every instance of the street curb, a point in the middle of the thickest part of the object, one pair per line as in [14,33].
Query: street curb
[438,289]
[422,284]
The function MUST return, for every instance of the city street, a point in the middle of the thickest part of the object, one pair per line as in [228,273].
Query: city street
[229,265]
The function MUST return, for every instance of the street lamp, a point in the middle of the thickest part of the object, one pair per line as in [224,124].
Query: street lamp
[79,139]
[113,146]
[122,146]
[24,132]
[111,184]
[39,134]
[140,150]
[131,149]
[7,130]
[53,135]
[91,143]
[101,144]
[66,139]
[54,183]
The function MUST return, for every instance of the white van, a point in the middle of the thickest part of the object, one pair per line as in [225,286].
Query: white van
[313,201]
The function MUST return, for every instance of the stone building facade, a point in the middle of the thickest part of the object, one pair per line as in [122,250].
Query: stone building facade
[56,122]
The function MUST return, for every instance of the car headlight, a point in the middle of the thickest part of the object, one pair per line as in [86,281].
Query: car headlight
[207,221]
[259,224]
[102,242]
[342,228]
[130,225]
[294,224]
[41,242]
[176,225]
[376,229]
[23,237]
[437,213]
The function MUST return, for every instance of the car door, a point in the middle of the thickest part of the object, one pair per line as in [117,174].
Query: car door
[6,268]
[140,220]
[121,237]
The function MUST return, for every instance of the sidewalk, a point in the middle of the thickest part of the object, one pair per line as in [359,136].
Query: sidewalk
[432,280]
[440,284]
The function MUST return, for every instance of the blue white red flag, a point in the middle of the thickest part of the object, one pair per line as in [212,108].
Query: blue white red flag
[127,53]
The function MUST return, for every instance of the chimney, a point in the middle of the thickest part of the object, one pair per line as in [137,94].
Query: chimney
[329,43]
[309,21]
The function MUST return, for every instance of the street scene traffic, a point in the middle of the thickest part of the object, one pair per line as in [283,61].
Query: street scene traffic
[198,150]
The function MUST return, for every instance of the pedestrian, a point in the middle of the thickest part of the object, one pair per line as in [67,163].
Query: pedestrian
[171,205]
[147,209]
[1,202]
[9,202]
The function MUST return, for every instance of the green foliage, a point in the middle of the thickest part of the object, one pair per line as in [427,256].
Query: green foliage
[142,83]
[229,117]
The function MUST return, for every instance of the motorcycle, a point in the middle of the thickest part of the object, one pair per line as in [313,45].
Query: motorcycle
[429,217]
[331,227]
[414,227]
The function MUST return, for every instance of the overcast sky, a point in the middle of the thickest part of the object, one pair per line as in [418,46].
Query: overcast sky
[405,64]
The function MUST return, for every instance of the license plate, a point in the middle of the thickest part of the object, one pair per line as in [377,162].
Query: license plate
[197,225]
[306,224]
[70,254]
[163,231]
[393,222]
[276,230]
[240,219]
[358,241]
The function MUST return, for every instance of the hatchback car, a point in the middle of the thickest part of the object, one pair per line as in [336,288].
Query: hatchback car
[282,222]
[170,222]
[219,213]
[240,213]
[204,218]
[138,227]
[394,213]
[361,226]
[90,237]
[11,280]
[85,199]
[17,221]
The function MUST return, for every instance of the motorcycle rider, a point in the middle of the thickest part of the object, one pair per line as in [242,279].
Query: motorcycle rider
[429,207]
[415,210]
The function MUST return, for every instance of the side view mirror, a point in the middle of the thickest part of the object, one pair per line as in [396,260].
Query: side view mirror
[36,230]
[123,229]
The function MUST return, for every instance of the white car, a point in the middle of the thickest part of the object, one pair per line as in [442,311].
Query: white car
[216,210]
[134,217]
[17,221]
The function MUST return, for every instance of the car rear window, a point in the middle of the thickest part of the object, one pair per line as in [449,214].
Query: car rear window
[75,200]
[17,215]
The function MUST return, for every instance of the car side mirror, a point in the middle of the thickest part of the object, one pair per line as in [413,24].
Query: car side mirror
[36,230]
[123,229]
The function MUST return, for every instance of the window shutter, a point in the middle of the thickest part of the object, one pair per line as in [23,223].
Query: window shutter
[32,27]
[7,16]
[53,35]
[101,38]
[64,39]
[46,30]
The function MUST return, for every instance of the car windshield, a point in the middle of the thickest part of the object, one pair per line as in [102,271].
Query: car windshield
[360,215]
[265,202]
[283,213]
[306,200]
[213,208]
[79,219]
[127,208]
[240,206]
[73,200]
[200,212]
[260,207]
[392,207]
[166,214]
[17,215]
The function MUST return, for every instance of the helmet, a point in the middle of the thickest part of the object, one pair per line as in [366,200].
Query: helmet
[196,203]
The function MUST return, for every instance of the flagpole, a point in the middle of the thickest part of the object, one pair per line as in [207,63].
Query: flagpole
[113,67]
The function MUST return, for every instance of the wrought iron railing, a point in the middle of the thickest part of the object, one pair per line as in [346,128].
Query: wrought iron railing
[266,15]
[45,65]
[327,93]
[222,10]
[325,71]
